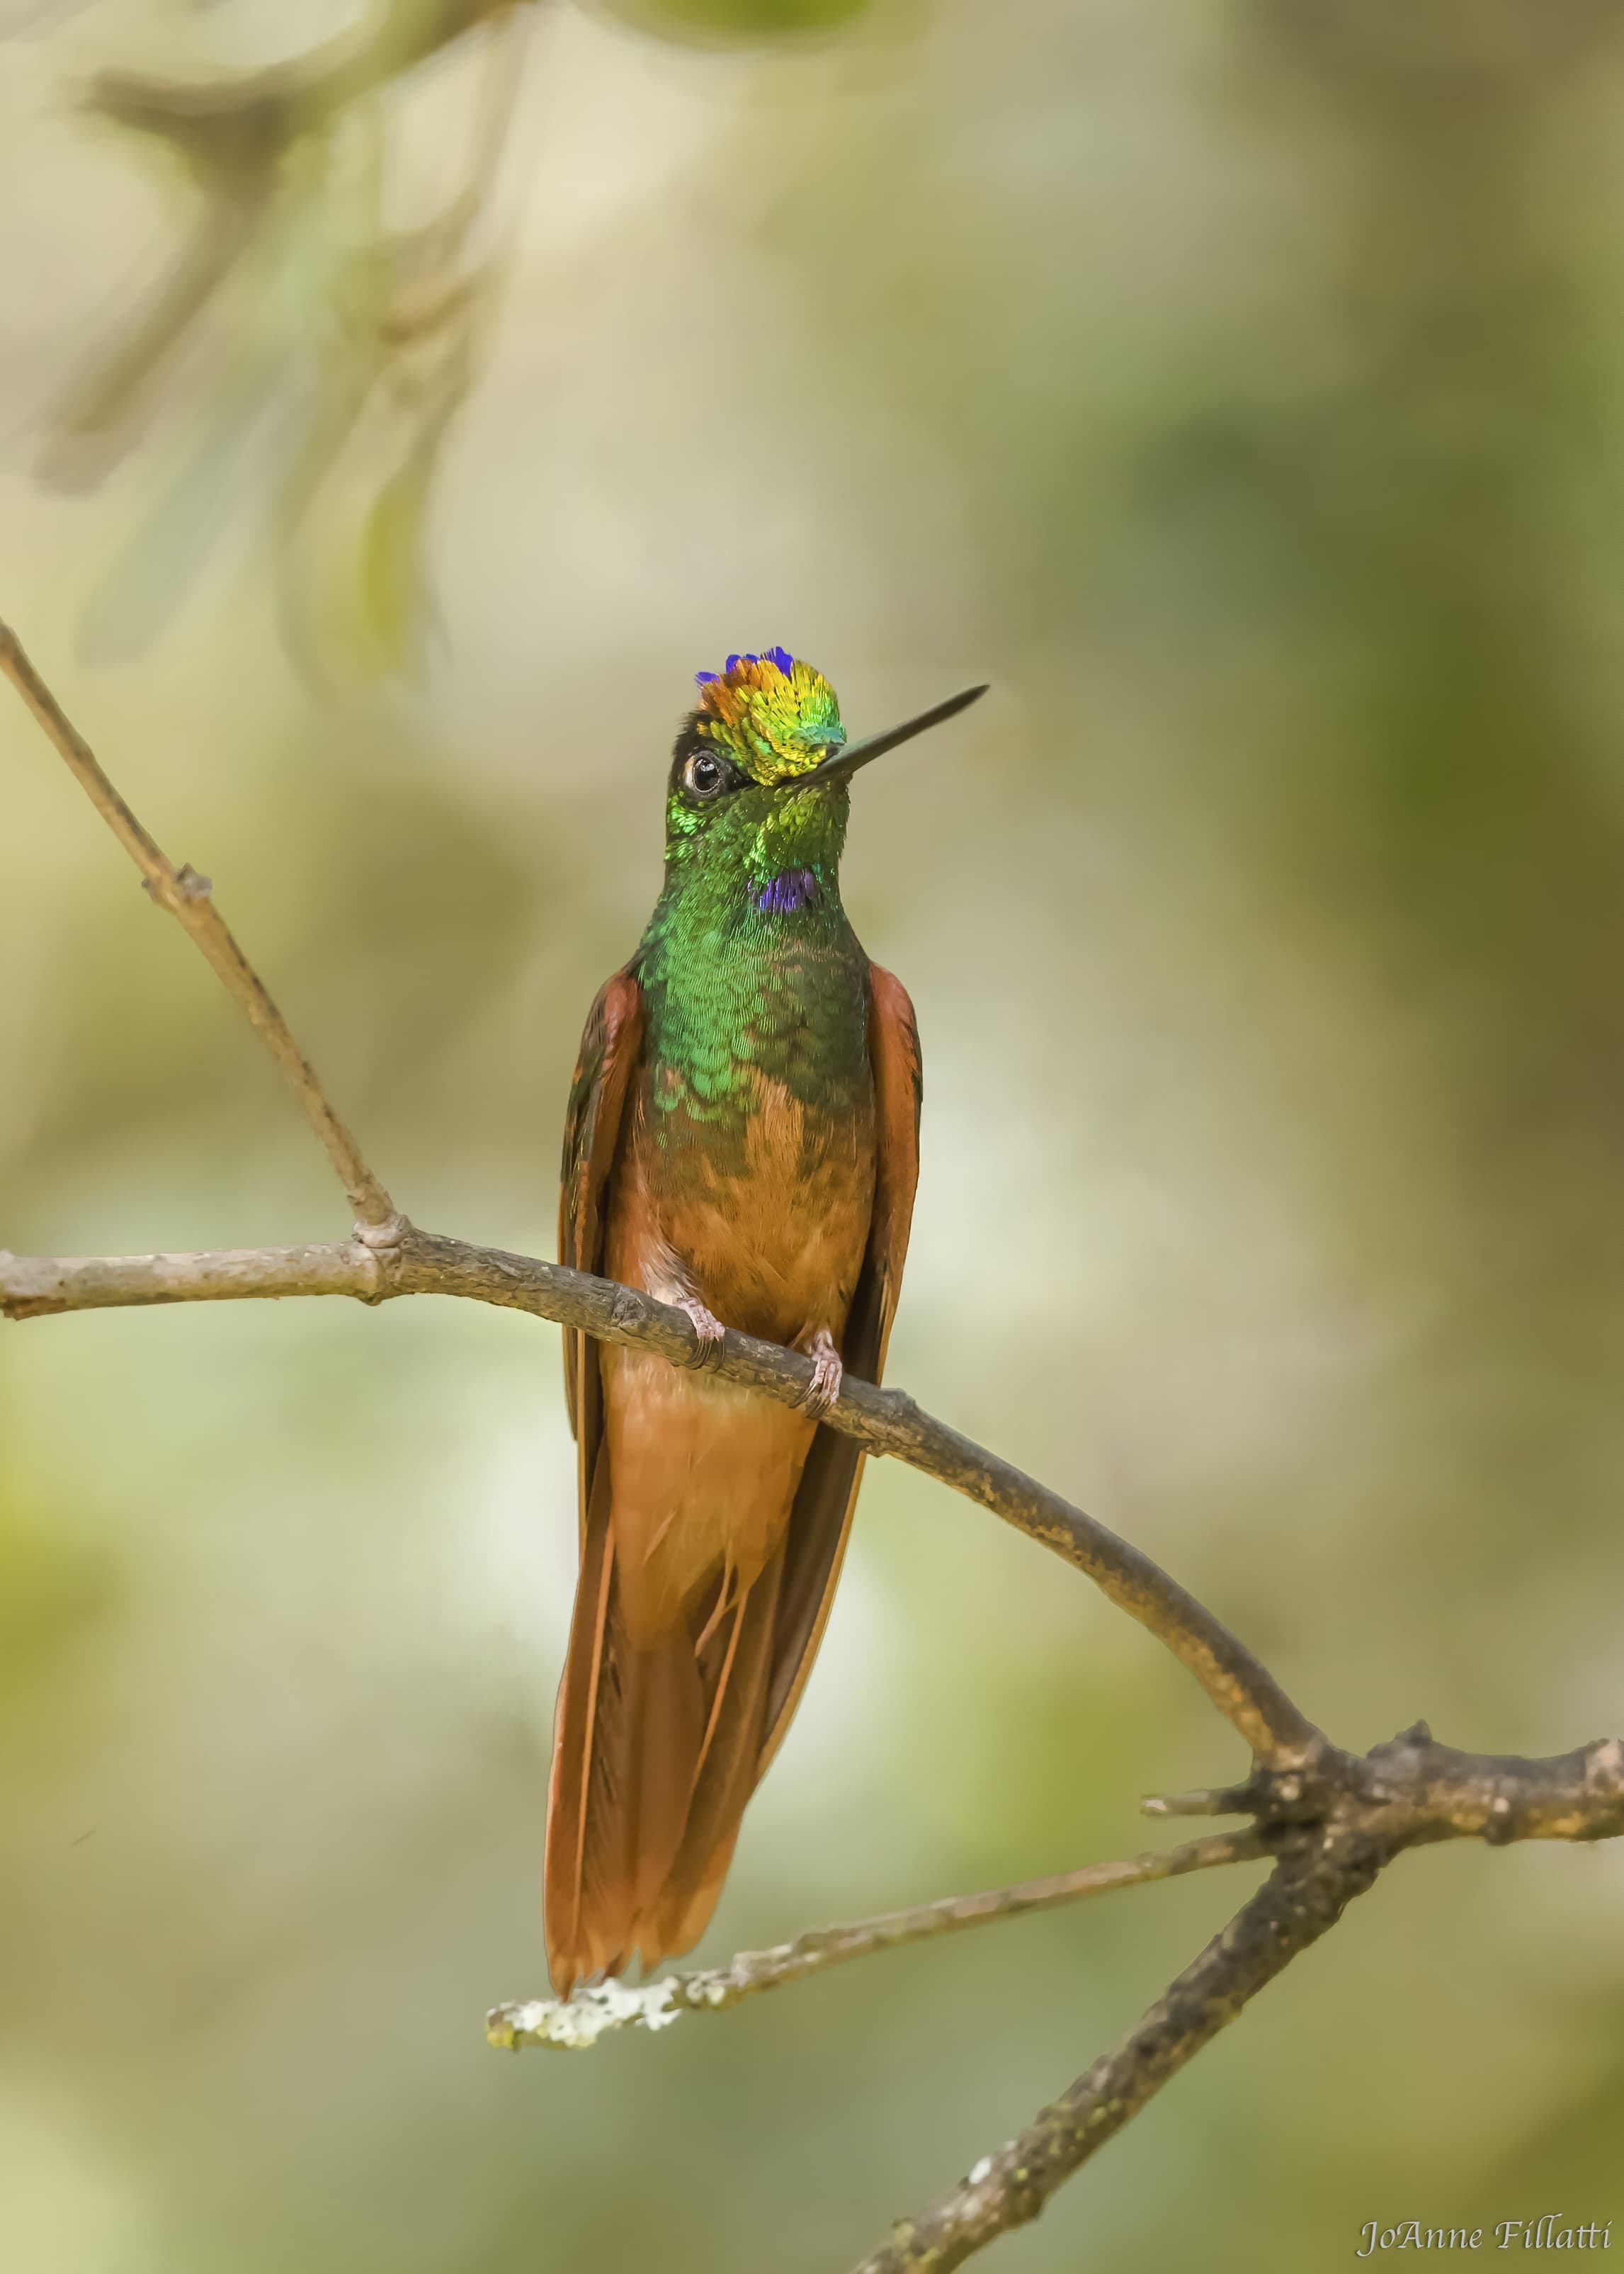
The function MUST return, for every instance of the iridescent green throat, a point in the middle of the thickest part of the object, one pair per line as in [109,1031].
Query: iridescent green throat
[749,967]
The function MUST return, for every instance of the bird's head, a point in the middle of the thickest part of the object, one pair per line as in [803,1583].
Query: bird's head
[759,776]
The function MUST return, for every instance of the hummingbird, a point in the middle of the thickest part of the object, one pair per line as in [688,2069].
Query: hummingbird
[741,1141]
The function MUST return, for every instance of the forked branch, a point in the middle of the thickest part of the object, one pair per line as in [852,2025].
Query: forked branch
[1334,1833]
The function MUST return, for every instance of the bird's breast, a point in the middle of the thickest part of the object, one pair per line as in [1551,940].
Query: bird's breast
[767,1223]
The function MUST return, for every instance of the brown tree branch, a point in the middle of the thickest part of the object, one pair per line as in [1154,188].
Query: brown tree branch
[1334,1831]
[186,896]
[580,2020]
[409,1261]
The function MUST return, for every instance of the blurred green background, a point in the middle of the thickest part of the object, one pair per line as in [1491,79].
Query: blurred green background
[1240,388]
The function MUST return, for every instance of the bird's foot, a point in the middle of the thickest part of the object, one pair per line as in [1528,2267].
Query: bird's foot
[828,1372]
[708,1330]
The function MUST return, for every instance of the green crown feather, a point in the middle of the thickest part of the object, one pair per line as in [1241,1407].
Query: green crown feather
[773,715]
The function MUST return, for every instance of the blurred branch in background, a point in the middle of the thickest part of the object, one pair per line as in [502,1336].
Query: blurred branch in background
[320,350]
[1332,1819]
[307,327]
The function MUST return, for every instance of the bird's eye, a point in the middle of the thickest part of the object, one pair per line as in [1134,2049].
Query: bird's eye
[704,774]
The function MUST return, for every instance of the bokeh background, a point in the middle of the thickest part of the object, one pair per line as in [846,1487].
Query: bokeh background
[1239,384]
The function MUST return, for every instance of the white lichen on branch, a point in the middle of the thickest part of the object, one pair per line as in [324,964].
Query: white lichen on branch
[572,2024]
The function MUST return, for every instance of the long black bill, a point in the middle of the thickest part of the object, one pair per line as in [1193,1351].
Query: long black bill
[847,761]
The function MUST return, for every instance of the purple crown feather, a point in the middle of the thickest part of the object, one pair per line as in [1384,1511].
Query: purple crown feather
[779,658]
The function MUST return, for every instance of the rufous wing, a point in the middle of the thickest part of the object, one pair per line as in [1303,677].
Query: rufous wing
[827,1493]
[611,1049]
[588,1899]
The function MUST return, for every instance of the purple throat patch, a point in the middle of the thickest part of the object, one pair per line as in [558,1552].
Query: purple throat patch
[782,895]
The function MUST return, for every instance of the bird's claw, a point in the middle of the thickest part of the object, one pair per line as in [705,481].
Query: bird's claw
[828,1372]
[708,1331]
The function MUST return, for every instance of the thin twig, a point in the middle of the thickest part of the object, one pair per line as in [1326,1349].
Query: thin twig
[187,897]
[573,2022]
[886,1421]
[1226,1800]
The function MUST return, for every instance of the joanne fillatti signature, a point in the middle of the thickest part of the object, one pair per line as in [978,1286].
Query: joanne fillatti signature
[1554,2231]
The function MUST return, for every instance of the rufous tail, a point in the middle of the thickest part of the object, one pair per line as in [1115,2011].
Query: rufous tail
[655,1750]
